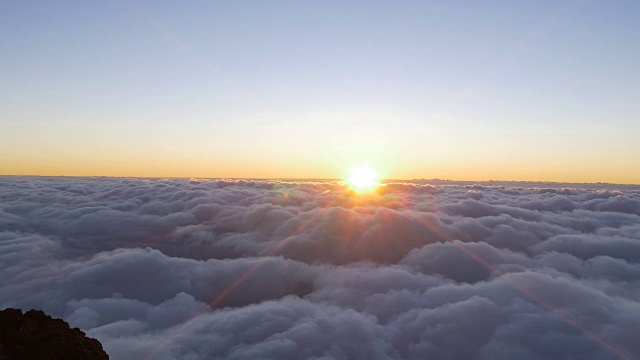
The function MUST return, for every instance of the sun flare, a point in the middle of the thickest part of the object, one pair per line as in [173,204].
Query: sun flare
[363,179]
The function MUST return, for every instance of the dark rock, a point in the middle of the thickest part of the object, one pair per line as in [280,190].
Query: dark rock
[35,335]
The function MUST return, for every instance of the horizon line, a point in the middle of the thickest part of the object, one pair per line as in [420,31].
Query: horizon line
[315,178]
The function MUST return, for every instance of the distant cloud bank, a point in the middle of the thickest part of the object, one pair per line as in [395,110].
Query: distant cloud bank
[238,269]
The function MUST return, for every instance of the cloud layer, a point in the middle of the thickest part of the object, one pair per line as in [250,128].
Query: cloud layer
[237,269]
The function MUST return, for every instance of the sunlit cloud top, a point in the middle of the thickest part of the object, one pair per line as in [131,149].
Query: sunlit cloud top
[199,268]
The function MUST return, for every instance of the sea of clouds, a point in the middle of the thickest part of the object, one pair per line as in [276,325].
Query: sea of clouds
[238,269]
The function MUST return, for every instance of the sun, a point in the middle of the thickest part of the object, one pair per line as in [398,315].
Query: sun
[363,179]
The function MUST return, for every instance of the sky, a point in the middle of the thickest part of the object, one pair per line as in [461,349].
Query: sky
[465,90]
[172,269]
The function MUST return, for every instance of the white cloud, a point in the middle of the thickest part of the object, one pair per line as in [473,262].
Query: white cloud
[181,269]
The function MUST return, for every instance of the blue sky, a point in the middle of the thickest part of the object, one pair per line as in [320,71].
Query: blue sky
[462,89]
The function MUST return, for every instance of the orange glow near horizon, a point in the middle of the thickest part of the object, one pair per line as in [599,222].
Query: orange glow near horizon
[179,165]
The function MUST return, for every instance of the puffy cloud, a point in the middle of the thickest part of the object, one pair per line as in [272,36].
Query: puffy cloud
[180,269]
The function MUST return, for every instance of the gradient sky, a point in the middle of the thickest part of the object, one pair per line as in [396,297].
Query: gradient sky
[544,90]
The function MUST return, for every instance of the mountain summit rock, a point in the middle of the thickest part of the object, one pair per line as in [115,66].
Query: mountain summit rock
[36,335]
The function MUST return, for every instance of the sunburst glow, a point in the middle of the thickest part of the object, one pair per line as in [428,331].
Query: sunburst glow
[363,179]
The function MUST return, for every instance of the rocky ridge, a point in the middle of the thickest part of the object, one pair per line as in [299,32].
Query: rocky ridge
[35,335]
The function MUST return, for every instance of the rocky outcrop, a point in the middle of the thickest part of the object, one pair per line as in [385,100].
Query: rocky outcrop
[35,335]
